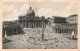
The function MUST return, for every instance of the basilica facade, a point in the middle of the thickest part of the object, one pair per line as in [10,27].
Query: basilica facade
[30,20]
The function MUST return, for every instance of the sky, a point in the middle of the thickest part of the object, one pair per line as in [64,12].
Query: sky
[11,10]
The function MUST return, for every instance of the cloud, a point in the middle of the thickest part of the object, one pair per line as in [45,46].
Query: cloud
[24,8]
[11,11]
[45,12]
[8,8]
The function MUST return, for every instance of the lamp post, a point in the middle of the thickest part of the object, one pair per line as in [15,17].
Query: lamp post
[42,32]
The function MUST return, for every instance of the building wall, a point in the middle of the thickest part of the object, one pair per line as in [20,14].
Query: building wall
[61,25]
[11,28]
[30,20]
[65,28]
[59,20]
[72,19]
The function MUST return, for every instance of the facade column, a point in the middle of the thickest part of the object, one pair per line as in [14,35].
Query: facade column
[25,24]
[42,24]
[16,31]
[48,23]
[45,24]
[56,30]
[35,24]
[29,24]
[61,31]
[22,24]
[32,24]
[65,31]
[38,24]
[68,31]
[74,31]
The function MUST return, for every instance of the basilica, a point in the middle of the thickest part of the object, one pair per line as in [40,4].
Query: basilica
[30,20]
[58,24]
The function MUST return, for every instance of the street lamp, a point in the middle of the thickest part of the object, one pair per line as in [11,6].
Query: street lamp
[42,32]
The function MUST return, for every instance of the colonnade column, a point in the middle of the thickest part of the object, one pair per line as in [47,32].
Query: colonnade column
[61,31]
[67,31]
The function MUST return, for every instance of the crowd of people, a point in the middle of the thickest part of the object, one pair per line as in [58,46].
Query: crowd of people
[32,39]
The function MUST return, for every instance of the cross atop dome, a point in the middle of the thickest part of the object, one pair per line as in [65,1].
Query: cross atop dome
[30,7]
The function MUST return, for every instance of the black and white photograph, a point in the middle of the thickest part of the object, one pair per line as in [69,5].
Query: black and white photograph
[40,25]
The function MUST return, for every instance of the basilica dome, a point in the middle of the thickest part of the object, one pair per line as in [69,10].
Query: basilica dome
[30,12]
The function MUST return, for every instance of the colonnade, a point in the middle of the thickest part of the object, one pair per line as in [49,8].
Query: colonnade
[65,31]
